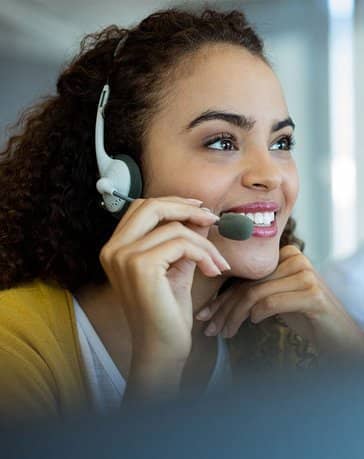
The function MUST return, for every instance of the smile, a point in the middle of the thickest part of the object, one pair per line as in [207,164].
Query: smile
[262,219]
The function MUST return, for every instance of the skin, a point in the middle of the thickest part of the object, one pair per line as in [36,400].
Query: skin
[225,78]
[166,261]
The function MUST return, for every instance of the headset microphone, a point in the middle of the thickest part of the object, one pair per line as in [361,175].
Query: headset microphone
[235,226]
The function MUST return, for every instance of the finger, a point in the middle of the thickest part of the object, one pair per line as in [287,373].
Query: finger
[209,310]
[289,266]
[291,260]
[235,284]
[170,231]
[140,201]
[281,303]
[154,211]
[158,259]
[217,324]
[298,282]
[288,251]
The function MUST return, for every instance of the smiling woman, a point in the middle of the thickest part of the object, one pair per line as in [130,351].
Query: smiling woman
[96,311]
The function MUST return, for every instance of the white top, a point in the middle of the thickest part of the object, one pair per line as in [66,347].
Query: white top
[106,383]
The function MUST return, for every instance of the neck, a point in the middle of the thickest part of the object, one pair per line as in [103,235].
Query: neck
[101,302]
[106,314]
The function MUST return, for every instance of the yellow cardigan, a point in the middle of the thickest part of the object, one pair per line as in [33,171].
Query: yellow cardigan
[41,367]
[41,370]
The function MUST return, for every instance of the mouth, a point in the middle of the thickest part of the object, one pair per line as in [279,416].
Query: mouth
[262,219]
[262,214]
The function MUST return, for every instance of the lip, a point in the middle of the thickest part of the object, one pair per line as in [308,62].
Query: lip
[253,207]
[265,231]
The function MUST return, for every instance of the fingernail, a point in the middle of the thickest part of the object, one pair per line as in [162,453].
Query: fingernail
[194,201]
[211,329]
[225,264]
[203,314]
[210,212]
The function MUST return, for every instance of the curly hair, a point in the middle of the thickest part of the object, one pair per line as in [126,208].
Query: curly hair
[52,226]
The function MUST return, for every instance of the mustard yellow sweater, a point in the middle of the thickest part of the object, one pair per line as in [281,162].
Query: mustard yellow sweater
[41,367]
[41,370]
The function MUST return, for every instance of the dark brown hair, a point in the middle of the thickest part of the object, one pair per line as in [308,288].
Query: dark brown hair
[51,223]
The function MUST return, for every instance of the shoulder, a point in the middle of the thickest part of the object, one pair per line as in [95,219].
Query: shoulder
[32,308]
[37,319]
[39,351]
[38,316]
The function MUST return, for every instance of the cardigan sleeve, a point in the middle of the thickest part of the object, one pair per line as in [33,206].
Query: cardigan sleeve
[25,390]
[40,373]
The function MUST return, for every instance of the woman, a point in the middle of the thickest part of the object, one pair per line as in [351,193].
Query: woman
[195,103]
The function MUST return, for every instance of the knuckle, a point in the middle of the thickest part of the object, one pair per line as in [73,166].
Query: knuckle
[152,204]
[290,250]
[180,240]
[300,261]
[268,304]
[317,294]
[133,263]
[105,254]
[177,226]
[308,279]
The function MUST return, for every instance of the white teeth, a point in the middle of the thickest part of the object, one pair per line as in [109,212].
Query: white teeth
[268,217]
[260,218]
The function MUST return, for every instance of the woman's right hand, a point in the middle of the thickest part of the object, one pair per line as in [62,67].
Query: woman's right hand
[150,261]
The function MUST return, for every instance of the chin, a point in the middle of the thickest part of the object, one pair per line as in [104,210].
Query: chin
[255,268]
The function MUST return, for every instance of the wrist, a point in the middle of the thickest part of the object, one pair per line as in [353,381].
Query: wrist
[153,378]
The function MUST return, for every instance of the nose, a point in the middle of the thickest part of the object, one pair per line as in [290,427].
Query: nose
[260,171]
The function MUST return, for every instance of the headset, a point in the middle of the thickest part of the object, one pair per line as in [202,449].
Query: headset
[120,179]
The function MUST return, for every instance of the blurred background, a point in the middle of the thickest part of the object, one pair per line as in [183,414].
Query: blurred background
[315,47]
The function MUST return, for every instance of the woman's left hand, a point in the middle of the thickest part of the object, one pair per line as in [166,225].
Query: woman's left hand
[295,292]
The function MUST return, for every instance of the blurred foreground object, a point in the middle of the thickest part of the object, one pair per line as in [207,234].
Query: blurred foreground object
[316,414]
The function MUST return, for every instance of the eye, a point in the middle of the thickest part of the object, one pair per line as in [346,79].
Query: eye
[284,143]
[222,142]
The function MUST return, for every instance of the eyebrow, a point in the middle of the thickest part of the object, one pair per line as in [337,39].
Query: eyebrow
[241,121]
[281,124]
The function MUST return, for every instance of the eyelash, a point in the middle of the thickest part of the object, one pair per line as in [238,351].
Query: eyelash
[223,136]
[290,142]
[230,138]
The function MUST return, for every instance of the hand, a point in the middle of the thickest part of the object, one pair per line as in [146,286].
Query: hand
[295,292]
[150,261]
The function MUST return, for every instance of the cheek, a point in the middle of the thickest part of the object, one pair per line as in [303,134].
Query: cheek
[291,186]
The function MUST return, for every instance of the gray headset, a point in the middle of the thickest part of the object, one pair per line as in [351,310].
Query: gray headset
[120,179]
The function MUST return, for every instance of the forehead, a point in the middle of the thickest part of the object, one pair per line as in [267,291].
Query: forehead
[228,77]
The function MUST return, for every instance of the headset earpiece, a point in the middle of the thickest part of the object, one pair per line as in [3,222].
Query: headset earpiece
[119,174]
[135,185]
